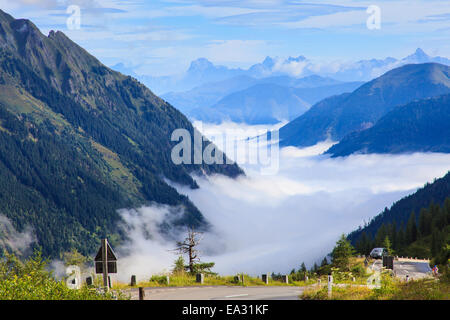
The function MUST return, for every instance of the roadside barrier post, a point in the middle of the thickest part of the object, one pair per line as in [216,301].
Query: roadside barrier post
[141,293]
[200,278]
[330,286]
[133,281]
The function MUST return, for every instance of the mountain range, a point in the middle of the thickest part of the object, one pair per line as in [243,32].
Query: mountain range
[256,101]
[337,116]
[79,141]
[268,102]
[202,71]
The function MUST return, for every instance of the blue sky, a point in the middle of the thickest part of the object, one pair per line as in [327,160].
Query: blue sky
[160,37]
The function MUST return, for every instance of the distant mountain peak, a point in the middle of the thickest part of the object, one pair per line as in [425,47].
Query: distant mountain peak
[268,62]
[200,64]
[296,59]
[419,56]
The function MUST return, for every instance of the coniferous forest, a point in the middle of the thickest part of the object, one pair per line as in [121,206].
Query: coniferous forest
[415,226]
[79,141]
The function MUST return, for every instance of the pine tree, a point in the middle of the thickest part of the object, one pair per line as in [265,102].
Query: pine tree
[315,267]
[446,210]
[411,229]
[387,245]
[341,254]
[394,236]
[381,234]
[302,267]
[437,242]
[363,245]
[423,229]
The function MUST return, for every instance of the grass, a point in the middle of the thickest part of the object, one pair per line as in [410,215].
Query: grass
[359,272]
[352,292]
[391,289]
[185,279]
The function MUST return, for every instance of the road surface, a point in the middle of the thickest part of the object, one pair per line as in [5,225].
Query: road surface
[220,293]
[414,269]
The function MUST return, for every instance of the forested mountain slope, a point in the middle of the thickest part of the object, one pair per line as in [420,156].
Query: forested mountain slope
[79,141]
[405,216]
[420,126]
[335,117]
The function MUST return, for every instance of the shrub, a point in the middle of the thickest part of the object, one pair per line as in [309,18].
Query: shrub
[29,280]
[159,279]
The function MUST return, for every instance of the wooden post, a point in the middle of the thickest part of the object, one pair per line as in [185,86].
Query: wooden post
[105,264]
[330,286]
[141,293]
[133,281]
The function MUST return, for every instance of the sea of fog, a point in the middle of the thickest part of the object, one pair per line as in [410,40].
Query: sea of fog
[273,222]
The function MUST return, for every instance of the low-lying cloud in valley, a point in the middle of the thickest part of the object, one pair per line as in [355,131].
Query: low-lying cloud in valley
[264,223]
[14,240]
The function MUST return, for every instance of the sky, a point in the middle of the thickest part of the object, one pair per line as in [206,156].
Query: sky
[161,37]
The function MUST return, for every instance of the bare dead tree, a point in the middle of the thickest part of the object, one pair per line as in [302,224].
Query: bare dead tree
[188,246]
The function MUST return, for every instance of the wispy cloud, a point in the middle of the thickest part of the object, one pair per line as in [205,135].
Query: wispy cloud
[141,33]
[11,239]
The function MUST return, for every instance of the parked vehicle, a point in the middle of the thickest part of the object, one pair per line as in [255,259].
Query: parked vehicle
[378,253]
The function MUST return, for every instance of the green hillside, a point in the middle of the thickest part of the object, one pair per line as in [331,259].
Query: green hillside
[417,225]
[79,141]
[420,126]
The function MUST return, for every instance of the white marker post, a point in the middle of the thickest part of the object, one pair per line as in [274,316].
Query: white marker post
[105,264]
[330,286]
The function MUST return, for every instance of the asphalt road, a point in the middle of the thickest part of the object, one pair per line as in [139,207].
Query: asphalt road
[414,269]
[220,293]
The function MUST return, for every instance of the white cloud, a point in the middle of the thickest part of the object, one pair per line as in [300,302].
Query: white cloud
[244,51]
[10,238]
[147,251]
[273,223]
